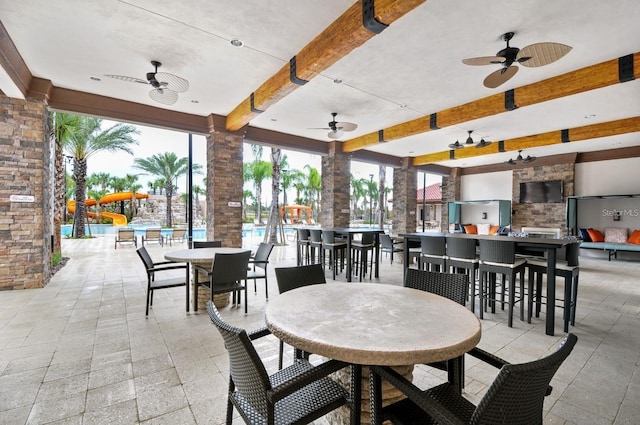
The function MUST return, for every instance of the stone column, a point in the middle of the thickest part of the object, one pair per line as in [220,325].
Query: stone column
[336,169]
[450,193]
[224,185]
[26,206]
[405,187]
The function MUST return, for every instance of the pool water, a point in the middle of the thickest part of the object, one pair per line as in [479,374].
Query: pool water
[198,233]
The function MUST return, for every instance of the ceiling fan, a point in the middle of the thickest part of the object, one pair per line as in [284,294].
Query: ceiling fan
[337,129]
[520,158]
[469,142]
[533,55]
[165,86]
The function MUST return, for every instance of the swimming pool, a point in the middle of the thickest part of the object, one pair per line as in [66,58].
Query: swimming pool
[198,233]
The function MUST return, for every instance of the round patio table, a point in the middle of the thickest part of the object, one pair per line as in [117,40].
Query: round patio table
[373,324]
[203,257]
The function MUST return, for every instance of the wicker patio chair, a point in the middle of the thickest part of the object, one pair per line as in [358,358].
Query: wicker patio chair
[156,268]
[389,246]
[206,244]
[515,397]
[296,277]
[228,273]
[258,264]
[298,394]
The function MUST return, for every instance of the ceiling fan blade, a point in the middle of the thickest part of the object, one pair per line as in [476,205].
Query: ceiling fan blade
[456,145]
[172,82]
[165,96]
[483,60]
[543,53]
[127,79]
[500,76]
[346,126]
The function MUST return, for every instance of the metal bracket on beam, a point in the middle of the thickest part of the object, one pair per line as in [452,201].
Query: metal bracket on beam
[564,135]
[253,109]
[501,146]
[292,73]
[369,18]
[510,100]
[452,154]
[381,136]
[625,68]
[433,118]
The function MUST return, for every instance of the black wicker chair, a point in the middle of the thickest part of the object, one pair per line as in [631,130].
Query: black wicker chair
[153,268]
[303,243]
[228,273]
[515,397]
[389,246]
[462,256]
[258,264]
[362,254]
[337,250]
[206,244]
[296,277]
[298,394]
[433,253]
[449,285]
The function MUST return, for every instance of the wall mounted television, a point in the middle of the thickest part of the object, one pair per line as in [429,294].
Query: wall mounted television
[541,192]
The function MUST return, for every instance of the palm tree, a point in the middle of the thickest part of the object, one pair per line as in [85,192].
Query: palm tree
[314,184]
[259,170]
[358,192]
[86,140]
[168,168]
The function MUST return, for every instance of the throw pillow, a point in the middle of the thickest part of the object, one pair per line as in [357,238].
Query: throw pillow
[471,229]
[595,235]
[493,230]
[483,228]
[615,234]
[634,237]
[584,235]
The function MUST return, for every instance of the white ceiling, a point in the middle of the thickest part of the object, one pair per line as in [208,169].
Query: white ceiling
[412,69]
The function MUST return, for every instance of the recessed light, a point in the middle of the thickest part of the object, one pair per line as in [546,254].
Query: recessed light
[236,43]
[195,101]
[274,119]
[402,106]
[95,78]
[588,117]
[337,81]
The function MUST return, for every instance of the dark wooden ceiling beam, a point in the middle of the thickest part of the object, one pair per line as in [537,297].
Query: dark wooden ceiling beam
[582,80]
[13,64]
[339,39]
[587,132]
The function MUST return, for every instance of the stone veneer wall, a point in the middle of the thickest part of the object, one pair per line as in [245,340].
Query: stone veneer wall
[25,169]
[405,185]
[224,177]
[450,193]
[336,186]
[552,215]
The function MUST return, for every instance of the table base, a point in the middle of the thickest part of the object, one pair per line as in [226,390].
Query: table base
[390,394]
[219,300]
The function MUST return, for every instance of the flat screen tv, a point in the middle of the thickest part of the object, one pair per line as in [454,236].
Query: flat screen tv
[541,192]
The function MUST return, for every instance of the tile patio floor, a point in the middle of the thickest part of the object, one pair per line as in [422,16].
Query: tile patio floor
[80,350]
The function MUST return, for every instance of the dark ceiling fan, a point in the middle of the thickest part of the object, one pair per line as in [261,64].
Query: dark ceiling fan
[165,86]
[520,158]
[336,128]
[469,142]
[533,55]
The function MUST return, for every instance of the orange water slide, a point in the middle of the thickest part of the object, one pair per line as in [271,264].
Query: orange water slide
[117,219]
[71,206]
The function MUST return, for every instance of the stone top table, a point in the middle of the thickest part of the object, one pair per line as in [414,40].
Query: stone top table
[373,324]
[203,257]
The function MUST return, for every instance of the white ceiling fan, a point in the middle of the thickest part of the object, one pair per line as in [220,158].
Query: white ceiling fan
[165,86]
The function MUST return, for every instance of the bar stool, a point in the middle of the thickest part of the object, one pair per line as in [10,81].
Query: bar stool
[337,250]
[315,243]
[360,254]
[499,257]
[569,269]
[433,253]
[462,257]
[303,244]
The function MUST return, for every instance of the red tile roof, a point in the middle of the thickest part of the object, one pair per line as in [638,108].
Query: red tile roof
[433,193]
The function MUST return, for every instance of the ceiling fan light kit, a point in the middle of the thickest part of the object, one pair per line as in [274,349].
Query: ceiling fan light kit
[165,86]
[337,129]
[534,55]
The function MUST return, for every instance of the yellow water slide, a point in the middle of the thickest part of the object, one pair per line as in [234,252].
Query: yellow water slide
[117,219]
